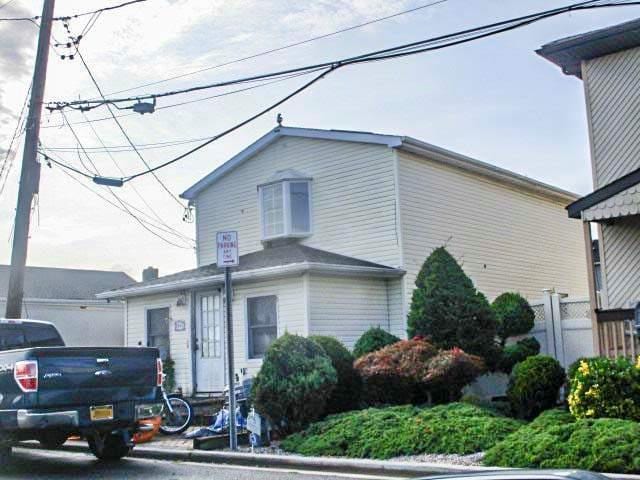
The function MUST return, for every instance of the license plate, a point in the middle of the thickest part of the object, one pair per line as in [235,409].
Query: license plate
[104,412]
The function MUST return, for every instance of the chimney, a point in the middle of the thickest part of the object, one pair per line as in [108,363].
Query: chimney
[149,273]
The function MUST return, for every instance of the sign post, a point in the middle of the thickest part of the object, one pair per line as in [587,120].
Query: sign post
[227,248]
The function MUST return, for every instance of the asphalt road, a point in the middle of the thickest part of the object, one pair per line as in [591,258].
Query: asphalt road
[36,464]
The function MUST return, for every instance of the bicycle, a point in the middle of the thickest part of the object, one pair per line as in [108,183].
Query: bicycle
[177,414]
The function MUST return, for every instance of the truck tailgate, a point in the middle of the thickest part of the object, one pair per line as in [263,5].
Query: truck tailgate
[78,375]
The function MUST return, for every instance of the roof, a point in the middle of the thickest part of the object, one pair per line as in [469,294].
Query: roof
[64,283]
[404,143]
[287,259]
[568,53]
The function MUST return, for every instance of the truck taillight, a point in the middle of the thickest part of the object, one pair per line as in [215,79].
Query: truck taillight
[159,372]
[26,375]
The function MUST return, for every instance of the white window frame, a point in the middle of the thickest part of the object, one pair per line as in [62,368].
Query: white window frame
[248,326]
[286,209]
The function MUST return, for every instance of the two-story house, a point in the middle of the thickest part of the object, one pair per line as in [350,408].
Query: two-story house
[608,62]
[333,228]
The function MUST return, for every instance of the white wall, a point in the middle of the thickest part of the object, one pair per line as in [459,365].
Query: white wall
[353,199]
[505,239]
[80,324]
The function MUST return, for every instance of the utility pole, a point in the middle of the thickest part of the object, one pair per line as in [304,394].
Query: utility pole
[30,174]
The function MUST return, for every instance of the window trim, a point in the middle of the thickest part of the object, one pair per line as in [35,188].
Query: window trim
[145,339]
[286,209]
[248,356]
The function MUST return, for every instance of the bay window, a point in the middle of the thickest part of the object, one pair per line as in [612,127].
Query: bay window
[285,208]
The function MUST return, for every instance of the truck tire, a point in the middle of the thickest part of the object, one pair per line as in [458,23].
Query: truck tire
[52,440]
[5,455]
[112,447]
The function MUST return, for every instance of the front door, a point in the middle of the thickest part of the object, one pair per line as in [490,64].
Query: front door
[209,336]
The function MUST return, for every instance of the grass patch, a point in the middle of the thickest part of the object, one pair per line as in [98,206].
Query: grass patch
[556,440]
[382,433]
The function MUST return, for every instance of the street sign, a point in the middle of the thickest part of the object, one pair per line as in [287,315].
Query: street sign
[227,243]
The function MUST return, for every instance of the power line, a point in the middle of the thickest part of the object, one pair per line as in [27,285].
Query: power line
[8,162]
[284,47]
[76,15]
[6,4]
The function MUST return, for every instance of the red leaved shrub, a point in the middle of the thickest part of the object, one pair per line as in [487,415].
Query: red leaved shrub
[450,371]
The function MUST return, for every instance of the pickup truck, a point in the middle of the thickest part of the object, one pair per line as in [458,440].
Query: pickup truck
[49,392]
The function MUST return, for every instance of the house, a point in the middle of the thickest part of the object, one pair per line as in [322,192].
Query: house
[608,62]
[66,297]
[333,228]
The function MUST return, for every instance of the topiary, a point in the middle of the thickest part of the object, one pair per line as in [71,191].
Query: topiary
[516,353]
[294,383]
[605,387]
[346,395]
[449,372]
[448,309]
[514,316]
[534,386]
[373,339]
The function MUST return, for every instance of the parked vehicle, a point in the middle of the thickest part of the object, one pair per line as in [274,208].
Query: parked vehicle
[49,392]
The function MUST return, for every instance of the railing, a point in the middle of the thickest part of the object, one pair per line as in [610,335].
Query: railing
[618,338]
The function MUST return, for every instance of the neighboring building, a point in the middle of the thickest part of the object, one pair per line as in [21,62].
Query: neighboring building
[66,297]
[608,62]
[333,228]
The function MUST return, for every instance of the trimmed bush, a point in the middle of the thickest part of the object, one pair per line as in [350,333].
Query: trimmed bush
[604,387]
[556,440]
[394,374]
[516,353]
[294,384]
[449,372]
[346,395]
[447,308]
[372,340]
[534,386]
[395,431]
[514,315]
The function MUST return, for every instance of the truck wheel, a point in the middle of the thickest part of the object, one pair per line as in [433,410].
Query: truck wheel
[109,447]
[52,440]
[5,455]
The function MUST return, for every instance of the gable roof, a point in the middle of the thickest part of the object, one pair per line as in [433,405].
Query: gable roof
[568,53]
[272,261]
[404,143]
[64,283]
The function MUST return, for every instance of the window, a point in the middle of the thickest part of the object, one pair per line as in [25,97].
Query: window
[285,209]
[42,335]
[158,330]
[211,334]
[262,319]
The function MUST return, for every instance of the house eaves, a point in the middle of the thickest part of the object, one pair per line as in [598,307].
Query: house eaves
[270,273]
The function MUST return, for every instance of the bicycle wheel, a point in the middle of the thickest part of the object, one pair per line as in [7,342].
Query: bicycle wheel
[179,420]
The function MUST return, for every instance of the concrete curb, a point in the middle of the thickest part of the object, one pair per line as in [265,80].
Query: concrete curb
[297,462]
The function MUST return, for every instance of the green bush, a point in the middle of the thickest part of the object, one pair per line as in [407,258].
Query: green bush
[169,369]
[556,440]
[396,431]
[604,387]
[346,395]
[447,308]
[514,315]
[516,353]
[534,386]
[294,383]
[372,340]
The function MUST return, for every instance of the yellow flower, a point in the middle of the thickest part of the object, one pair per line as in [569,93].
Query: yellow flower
[638,363]
[590,412]
[584,368]
[592,392]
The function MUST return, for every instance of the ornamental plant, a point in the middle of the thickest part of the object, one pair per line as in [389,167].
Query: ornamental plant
[516,353]
[294,384]
[514,315]
[534,386]
[449,371]
[373,339]
[447,308]
[604,387]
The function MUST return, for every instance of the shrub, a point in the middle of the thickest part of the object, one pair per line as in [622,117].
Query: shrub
[449,371]
[294,383]
[534,386]
[556,440]
[514,315]
[169,369]
[516,353]
[346,395]
[603,387]
[447,308]
[372,340]
[394,431]
[394,374]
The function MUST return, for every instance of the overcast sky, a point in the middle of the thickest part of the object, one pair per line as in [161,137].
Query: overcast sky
[495,100]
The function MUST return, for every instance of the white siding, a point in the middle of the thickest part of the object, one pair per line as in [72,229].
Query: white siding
[504,239]
[136,334]
[353,199]
[346,307]
[611,84]
[81,325]
[621,244]
[291,315]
